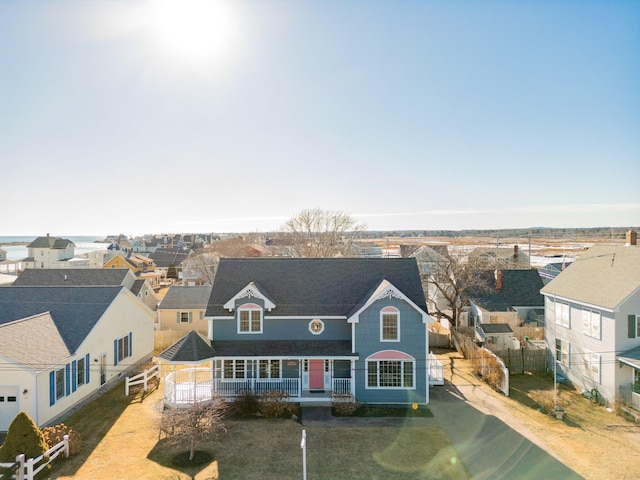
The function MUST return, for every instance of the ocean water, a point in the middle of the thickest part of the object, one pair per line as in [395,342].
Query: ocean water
[84,244]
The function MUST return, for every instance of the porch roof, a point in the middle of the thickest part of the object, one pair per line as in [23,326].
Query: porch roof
[284,348]
[631,357]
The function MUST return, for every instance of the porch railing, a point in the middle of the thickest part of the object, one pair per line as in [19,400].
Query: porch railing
[341,386]
[436,370]
[629,397]
[232,388]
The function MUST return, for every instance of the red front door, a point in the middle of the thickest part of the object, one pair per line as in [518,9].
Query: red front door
[316,374]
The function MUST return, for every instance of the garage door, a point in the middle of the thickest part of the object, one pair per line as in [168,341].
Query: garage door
[8,406]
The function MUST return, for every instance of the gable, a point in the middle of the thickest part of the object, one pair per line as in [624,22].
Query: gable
[325,287]
[604,276]
[33,342]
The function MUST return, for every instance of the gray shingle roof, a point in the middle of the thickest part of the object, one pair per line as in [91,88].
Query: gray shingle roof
[193,347]
[604,275]
[520,288]
[495,328]
[34,342]
[164,258]
[178,297]
[50,242]
[279,348]
[75,310]
[314,286]
[72,277]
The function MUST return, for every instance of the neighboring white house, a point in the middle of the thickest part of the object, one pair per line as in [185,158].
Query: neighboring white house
[592,315]
[62,344]
[52,252]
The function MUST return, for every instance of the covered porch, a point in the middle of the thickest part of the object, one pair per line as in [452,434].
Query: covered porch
[630,391]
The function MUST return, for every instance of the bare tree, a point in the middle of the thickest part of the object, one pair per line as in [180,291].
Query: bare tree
[319,233]
[202,421]
[203,263]
[448,283]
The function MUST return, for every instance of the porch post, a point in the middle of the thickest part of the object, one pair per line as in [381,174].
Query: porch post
[352,385]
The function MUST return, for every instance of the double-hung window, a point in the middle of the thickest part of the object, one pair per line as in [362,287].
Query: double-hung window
[80,371]
[563,349]
[60,383]
[389,324]
[592,362]
[235,369]
[122,348]
[269,368]
[250,318]
[591,322]
[563,314]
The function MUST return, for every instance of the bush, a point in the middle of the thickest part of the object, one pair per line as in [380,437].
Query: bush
[54,435]
[274,404]
[246,403]
[344,405]
[23,436]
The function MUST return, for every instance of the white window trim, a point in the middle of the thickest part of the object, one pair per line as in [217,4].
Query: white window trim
[396,312]
[565,352]
[589,359]
[402,364]
[558,307]
[253,308]
[588,316]
[64,383]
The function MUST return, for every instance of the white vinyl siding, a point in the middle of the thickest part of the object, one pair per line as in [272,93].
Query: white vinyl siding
[592,366]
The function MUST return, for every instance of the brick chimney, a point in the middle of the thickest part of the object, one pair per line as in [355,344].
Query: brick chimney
[515,254]
[498,280]
[632,238]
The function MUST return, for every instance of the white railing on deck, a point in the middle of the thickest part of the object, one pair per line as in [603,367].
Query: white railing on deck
[342,386]
[232,388]
[436,370]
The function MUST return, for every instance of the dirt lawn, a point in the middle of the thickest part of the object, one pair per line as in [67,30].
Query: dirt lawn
[593,442]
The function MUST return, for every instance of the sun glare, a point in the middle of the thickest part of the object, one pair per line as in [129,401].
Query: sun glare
[195,31]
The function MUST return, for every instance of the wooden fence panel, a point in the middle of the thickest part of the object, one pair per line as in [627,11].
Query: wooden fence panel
[439,340]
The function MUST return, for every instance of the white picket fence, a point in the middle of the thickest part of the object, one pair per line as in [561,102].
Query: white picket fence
[27,469]
[141,379]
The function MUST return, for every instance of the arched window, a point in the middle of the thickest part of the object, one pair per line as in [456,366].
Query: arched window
[389,324]
[250,318]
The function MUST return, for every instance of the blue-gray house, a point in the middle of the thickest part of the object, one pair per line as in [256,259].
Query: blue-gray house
[317,326]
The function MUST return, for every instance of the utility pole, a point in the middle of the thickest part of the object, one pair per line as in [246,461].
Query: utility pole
[303,446]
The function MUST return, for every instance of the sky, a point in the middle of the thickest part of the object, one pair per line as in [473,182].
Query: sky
[172,116]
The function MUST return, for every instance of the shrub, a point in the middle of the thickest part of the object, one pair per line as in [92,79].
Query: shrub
[274,404]
[344,405]
[55,434]
[23,436]
[244,404]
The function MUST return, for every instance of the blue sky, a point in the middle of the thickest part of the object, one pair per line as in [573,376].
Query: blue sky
[138,117]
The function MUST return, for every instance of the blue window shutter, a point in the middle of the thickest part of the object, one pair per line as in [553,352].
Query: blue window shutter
[52,388]
[86,368]
[74,375]
[115,352]
[131,344]
[67,379]
[190,319]
[631,326]
[177,317]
